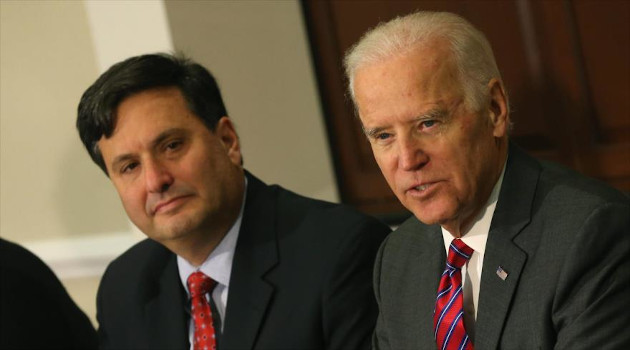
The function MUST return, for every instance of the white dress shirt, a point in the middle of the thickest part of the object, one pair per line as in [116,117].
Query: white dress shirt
[475,238]
[218,266]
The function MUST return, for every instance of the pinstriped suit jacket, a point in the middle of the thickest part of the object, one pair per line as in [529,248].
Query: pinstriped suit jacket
[564,241]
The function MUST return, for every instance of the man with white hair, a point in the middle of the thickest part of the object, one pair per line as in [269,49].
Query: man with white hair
[503,251]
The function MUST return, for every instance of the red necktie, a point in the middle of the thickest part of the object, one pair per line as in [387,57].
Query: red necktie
[199,285]
[448,318]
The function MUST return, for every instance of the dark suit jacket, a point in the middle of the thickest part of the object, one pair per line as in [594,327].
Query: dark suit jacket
[564,241]
[301,279]
[36,312]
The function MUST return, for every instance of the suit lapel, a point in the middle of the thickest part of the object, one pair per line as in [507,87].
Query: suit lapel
[414,259]
[512,214]
[256,253]
[165,301]
[433,259]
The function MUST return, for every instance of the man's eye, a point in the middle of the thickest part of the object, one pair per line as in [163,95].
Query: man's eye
[129,167]
[173,145]
[382,136]
[428,123]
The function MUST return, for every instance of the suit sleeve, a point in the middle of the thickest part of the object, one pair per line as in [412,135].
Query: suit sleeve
[349,308]
[592,300]
[379,339]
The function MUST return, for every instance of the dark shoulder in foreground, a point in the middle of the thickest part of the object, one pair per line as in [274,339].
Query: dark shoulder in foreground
[29,287]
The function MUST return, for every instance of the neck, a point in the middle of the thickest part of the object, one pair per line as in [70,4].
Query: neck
[196,246]
[197,252]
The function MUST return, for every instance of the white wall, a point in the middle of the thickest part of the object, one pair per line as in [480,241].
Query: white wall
[58,204]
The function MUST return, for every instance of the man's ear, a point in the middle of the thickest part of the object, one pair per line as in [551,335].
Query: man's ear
[498,108]
[227,134]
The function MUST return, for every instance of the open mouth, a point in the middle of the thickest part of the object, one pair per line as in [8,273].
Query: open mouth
[423,190]
[421,187]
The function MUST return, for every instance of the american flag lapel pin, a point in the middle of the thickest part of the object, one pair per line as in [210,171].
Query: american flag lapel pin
[501,273]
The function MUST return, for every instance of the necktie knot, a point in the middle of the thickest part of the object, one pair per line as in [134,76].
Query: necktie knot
[199,284]
[458,253]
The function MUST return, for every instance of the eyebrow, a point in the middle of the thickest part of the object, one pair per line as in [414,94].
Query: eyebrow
[156,141]
[167,134]
[432,113]
[121,159]
[372,131]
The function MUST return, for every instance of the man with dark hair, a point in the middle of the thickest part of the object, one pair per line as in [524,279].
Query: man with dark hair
[503,251]
[231,262]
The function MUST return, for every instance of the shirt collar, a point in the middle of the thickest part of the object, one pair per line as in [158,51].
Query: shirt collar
[477,236]
[218,265]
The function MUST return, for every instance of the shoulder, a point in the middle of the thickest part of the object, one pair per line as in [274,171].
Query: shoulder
[568,194]
[318,236]
[19,262]
[19,258]
[66,325]
[411,232]
[296,212]
[573,208]
[557,181]
[129,280]
[140,253]
[552,195]
[410,239]
[141,261]
[557,186]
[564,214]
[274,207]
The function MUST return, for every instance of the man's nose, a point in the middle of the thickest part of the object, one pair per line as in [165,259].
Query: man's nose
[411,154]
[157,177]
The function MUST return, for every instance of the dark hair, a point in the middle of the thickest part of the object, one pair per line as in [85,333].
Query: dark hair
[97,109]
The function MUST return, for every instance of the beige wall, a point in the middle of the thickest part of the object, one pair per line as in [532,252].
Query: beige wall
[259,53]
[58,204]
[46,61]
[49,191]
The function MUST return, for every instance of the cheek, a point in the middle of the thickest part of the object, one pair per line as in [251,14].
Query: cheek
[388,165]
[466,167]
[385,162]
[452,161]
[133,202]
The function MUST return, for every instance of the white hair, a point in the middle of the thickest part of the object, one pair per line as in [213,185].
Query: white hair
[470,50]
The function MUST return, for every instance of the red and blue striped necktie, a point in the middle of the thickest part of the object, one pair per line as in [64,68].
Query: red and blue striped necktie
[448,317]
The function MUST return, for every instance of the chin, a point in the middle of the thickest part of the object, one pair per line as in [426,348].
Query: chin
[422,215]
[175,229]
[430,214]
[427,220]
